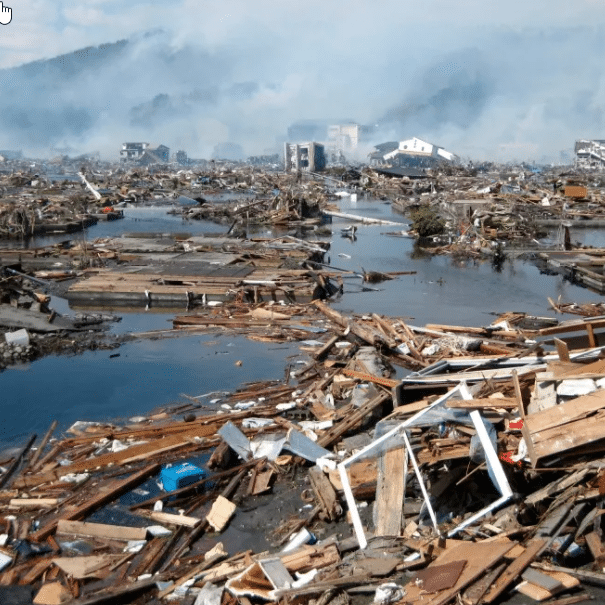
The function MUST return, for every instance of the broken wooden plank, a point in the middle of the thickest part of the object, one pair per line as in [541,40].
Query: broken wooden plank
[512,572]
[33,502]
[355,418]
[562,350]
[87,566]
[323,352]
[368,336]
[385,382]
[589,577]
[564,427]
[169,518]
[43,443]
[490,402]
[390,491]
[325,494]
[101,530]
[595,544]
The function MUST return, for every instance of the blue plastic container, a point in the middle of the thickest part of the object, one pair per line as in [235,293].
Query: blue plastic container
[181,475]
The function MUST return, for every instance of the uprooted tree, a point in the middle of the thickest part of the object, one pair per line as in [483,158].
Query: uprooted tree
[426,221]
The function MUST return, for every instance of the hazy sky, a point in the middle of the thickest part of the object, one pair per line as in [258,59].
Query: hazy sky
[485,79]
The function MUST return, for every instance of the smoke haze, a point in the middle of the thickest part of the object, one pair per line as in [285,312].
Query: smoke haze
[484,80]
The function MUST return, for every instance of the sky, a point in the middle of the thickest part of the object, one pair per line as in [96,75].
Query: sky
[487,80]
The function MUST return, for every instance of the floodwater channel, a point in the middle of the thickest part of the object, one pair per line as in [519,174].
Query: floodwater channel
[145,374]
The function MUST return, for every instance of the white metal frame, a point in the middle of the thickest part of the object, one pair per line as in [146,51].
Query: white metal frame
[490,455]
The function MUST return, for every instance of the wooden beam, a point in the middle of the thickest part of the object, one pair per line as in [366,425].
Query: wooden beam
[390,492]
[562,350]
[45,440]
[512,572]
[490,402]
[572,326]
[592,341]
[101,530]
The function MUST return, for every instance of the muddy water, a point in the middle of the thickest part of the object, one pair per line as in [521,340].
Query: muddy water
[152,373]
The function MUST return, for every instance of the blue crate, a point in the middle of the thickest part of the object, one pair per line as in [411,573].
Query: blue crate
[181,475]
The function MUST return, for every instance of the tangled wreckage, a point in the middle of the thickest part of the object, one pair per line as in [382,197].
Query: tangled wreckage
[477,473]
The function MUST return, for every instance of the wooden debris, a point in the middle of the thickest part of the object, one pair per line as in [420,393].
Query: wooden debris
[100,530]
[221,512]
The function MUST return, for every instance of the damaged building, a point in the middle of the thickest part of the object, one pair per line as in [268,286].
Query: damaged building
[155,155]
[131,152]
[590,154]
[307,157]
[412,152]
[144,154]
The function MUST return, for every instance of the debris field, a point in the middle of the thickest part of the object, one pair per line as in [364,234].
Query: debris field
[475,473]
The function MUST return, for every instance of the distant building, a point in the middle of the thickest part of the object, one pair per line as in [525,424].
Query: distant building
[412,152]
[307,157]
[131,152]
[142,153]
[162,152]
[380,151]
[590,154]
[181,158]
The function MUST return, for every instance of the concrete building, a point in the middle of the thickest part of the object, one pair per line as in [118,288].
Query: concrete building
[590,154]
[131,152]
[306,157]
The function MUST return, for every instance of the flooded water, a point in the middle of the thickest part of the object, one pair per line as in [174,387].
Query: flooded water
[152,373]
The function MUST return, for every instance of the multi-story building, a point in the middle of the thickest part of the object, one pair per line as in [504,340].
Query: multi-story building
[590,154]
[131,152]
[306,157]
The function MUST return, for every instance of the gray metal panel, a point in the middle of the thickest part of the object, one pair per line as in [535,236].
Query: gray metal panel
[236,440]
[301,445]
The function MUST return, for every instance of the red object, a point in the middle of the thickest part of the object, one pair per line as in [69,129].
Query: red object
[506,457]
[516,425]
